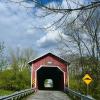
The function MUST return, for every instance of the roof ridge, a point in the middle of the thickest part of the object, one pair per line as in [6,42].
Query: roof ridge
[30,62]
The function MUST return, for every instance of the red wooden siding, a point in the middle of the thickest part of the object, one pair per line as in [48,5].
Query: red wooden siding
[44,61]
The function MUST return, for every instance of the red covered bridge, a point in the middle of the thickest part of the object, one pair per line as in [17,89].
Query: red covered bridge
[49,67]
[48,72]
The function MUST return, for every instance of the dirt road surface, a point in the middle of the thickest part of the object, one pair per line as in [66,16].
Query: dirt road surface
[48,95]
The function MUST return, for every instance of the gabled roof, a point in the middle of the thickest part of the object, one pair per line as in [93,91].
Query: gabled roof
[59,58]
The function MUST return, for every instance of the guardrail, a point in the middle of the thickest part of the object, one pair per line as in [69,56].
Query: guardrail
[18,95]
[78,95]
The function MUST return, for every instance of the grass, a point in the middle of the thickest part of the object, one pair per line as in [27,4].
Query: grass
[5,92]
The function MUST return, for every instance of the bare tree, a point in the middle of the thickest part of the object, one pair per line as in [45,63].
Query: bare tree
[66,8]
[85,43]
[3,61]
[20,58]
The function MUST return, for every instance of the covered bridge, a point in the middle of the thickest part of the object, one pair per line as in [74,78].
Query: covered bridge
[49,69]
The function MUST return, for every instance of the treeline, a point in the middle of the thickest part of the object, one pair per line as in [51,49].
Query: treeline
[14,69]
[83,46]
[76,73]
[15,82]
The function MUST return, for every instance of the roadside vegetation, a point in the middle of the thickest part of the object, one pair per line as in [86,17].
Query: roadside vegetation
[79,41]
[76,83]
[14,70]
[5,92]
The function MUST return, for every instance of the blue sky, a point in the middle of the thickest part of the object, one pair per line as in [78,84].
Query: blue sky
[17,27]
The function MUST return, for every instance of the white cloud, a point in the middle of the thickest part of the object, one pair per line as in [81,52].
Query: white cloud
[16,26]
[72,3]
[50,39]
[14,20]
[30,31]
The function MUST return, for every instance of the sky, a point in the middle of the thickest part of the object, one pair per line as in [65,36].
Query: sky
[17,28]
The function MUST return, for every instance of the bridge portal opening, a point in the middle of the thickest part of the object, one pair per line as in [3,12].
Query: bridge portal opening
[48,83]
[50,78]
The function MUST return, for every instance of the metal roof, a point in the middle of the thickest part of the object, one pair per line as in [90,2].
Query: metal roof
[35,60]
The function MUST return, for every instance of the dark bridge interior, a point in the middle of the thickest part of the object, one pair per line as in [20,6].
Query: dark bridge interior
[53,73]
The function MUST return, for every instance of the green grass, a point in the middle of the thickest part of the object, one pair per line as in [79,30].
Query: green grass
[5,92]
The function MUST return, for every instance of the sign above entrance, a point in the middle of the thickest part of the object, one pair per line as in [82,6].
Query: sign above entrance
[49,62]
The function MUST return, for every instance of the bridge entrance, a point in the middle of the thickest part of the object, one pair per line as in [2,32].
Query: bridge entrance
[45,74]
[49,72]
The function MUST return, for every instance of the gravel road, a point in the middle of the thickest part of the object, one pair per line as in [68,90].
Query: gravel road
[48,95]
